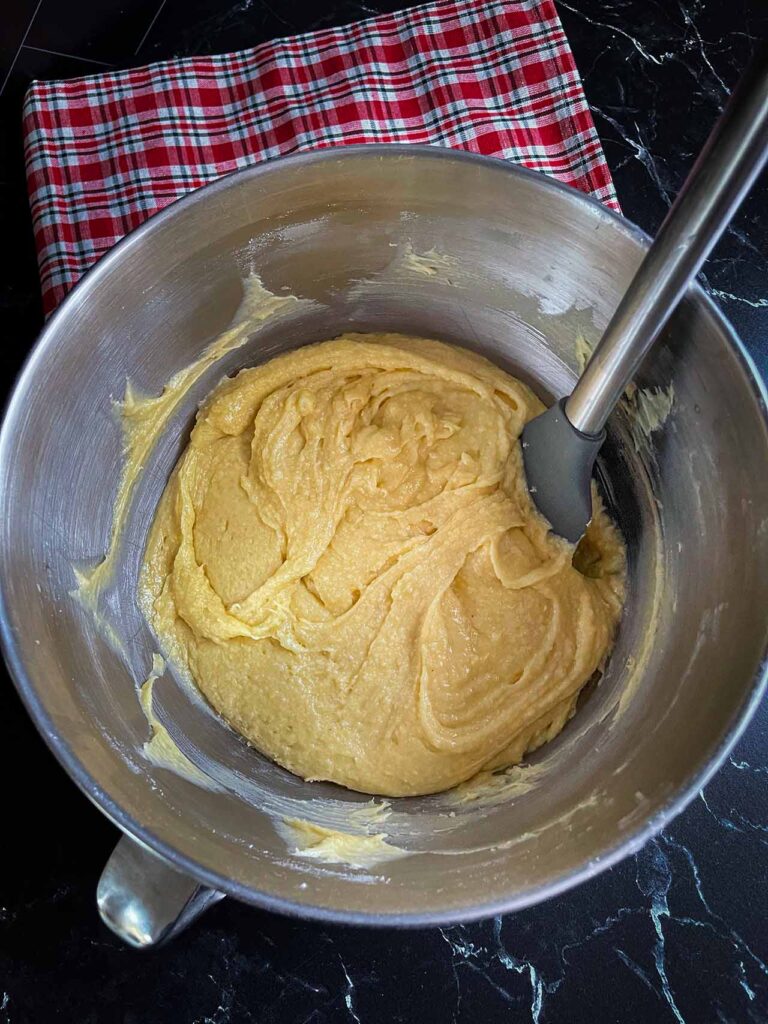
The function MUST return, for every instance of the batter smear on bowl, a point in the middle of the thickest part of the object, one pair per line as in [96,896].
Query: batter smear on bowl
[347,563]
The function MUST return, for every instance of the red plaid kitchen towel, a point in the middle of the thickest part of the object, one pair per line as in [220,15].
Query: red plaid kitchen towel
[492,76]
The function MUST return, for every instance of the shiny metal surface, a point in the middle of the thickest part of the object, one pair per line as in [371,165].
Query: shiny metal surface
[733,156]
[528,265]
[145,900]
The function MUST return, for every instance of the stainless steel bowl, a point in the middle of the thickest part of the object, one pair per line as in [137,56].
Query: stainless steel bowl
[433,243]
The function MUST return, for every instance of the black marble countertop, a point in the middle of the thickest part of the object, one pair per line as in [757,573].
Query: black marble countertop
[678,932]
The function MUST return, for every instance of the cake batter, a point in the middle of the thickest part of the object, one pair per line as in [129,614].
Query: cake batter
[348,564]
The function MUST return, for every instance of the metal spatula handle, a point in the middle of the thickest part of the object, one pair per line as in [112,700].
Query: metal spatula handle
[731,159]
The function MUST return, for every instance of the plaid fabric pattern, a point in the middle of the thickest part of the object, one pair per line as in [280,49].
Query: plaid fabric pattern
[493,76]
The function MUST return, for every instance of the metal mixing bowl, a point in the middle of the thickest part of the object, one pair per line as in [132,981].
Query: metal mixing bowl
[439,244]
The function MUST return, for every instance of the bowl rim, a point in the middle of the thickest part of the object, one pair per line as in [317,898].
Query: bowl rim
[90,786]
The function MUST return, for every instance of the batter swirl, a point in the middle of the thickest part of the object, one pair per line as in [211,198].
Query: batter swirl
[347,563]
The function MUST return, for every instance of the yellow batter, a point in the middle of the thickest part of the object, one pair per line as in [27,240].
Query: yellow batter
[347,563]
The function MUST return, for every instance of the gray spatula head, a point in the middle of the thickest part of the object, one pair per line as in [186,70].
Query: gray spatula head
[558,461]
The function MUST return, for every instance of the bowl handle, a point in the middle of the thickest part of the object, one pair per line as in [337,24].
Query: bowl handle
[144,900]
